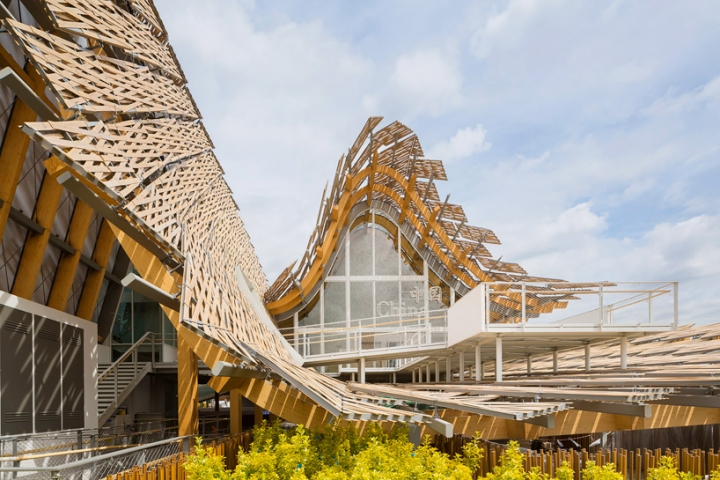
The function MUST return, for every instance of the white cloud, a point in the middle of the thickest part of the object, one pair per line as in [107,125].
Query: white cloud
[465,143]
[704,95]
[427,82]
[605,156]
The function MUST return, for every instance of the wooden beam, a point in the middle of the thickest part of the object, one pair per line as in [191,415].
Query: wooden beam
[36,243]
[94,278]
[629,409]
[235,411]
[187,390]
[580,422]
[67,267]
[12,157]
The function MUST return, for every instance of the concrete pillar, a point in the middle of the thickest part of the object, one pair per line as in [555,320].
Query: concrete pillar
[529,365]
[587,357]
[448,369]
[361,370]
[555,361]
[420,375]
[235,411]
[427,373]
[478,363]
[461,371]
[623,352]
[394,377]
[437,372]
[498,358]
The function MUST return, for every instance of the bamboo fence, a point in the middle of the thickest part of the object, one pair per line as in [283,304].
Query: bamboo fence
[633,465]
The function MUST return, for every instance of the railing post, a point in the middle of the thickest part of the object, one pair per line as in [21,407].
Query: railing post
[601,307]
[675,303]
[487,306]
[116,385]
[152,349]
[524,313]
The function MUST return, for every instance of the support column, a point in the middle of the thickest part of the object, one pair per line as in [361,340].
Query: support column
[623,352]
[394,377]
[587,357]
[361,370]
[437,372]
[478,363]
[529,365]
[555,361]
[94,279]
[448,369]
[235,411]
[498,358]
[34,251]
[68,265]
[461,360]
[427,373]
[12,156]
[187,389]
[413,376]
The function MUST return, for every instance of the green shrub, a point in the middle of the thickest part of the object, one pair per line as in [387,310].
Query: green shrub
[337,453]
[564,472]
[607,472]
[511,465]
[668,471]
[205,464]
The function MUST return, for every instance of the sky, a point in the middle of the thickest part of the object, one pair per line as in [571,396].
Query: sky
[586,135]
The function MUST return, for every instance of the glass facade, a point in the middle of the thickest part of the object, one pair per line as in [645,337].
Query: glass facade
[136,316]
[378,294]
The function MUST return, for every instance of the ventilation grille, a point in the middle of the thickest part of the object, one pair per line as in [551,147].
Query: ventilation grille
[48,416]
[17,417]
[17,327]
[76,341]
[48,334]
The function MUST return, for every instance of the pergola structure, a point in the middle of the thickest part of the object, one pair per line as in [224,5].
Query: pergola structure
[105,163]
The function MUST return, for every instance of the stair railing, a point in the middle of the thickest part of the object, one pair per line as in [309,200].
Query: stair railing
[131,352]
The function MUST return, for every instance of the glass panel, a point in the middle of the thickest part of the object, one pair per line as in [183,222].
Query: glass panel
[122,328]
[361,302]
[313,316]
[147,316]
[387,307]
[335,304]
[412,262]
[386,256]
[338,268]
[361,251]
[413,300]
[169,335]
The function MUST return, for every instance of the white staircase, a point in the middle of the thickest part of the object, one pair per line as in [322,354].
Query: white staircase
[117,380]
[127,379]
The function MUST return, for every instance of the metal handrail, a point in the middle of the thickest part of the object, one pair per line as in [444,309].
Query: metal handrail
[115,366]
[131,350]
[185,441]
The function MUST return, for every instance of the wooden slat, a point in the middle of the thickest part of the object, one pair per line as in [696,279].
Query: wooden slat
[67,267]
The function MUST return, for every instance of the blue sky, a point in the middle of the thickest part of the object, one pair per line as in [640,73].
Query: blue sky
[585,134]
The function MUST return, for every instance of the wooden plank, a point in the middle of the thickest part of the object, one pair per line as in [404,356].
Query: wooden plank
[36,243]
[187,390]
[235,411]
[67,266]
[94,278]
[12,156]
